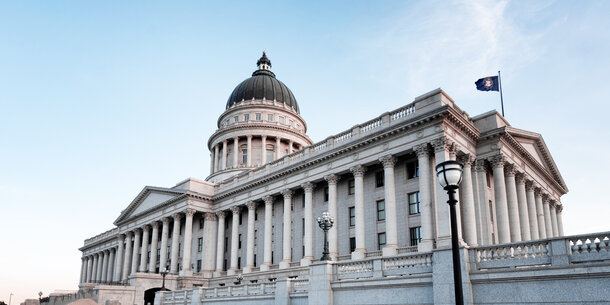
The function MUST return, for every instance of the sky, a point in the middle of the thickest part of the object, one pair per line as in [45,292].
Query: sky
[101,98]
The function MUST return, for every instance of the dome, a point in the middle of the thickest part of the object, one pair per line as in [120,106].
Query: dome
[263,84]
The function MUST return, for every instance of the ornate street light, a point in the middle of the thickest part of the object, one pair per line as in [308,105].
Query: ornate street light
[449,175]
[163,274]
[326,222]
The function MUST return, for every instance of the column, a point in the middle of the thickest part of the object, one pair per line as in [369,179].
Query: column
[467,197]
[118,266]
[263,150]
[540,213]
[94,268]
[209,242]
[554,218]
[500,199]
[287,225]
[236,152]
[442,147]
[215,158]
[547,216]
[391,227]
[223,165]
[83,262]
[425,196]
[309,223]
[560,219]
[89,269]
[164,238]
[484,224]
[333,211]
[523,209]
[188,243]
[152,268]
[289,146]
[127,257]
[531,210]
[220,248]
[234,239]
[104,266]
[513,205]
[358,172]
[267,238]
[144,252]
[173,269]
[250,153]
[111,264]
[100,266]
[136,247]
[277,148]
[250,243]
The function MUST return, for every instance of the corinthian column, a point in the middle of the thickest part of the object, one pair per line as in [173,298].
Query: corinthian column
[236,152]
[220,245]
[442,148]
[250,242]
[358,172]
[308,239]
[559,219]
[152,268]
[287,237]
[127,259]
[484,217]
[223,165]
[94,268]
[540,213]
[500,198]
[105,256]
[118,266]
[531,209]
[144,254]
[136,248]
[234,239]
[263,150]
[278,153]
[554,218]
[333,211]
[175,244]
[523,210]
[468,211]
[210,232]
[110,264]
[164,238]
[188,243]
[249,150]
[513,205]
[267,238]
[547,216]
[425,198]
[215,158]
[391,228]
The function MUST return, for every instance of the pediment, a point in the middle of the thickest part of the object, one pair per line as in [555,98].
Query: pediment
[148,199]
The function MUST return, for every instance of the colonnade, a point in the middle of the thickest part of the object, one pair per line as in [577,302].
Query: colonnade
[220,152]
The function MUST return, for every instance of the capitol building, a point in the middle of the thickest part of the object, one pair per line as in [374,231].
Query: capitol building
[247,234]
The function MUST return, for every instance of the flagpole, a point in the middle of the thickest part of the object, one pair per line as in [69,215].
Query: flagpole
[501,98]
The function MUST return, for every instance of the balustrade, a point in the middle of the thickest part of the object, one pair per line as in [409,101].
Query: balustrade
[513,255]
[590,247]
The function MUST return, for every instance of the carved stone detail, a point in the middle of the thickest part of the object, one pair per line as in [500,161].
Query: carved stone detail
[177,216]
[209,217]
[497,161]
[388,161]
[307,186]
[155,224]
[510,170]
[537,191]
[190,212]
[479,165]
[287,193]
[529,185]
[468,160]
[358,170]
[268,200]
[331,179]
[221,214]
[165,220]
[520,178]
[421,150]
[442,144]
[251,205]
[235,210]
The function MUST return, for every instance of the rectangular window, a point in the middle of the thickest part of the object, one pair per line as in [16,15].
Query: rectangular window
[413,203]
[158,254]
[303,201]
[198,265]
[259,116]
[291,122]
[352,244]
[254,260]
[351,187]
[244,156]
[255,237]
[199,244]
[380,240]
[352,216]
[239,242]
[239,263]
[201,223]
[226,243]
[379,179]
[380,210]
[269,155]
[270,117]
[488,179]
[224,265]
[241,218]
[246,117]
[412,169]
[255,214]
[237,118]
[282,120]
[326,194]
[415,234]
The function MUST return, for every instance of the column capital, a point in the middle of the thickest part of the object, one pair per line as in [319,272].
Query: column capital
[552,203]
[545,198]
[249,137]
[467,159]
[165,220]
[268,200]
[190,212]
[510,170]
[145,227]
[421,150]
[559,208]
[479,165]
[287,193]
[308,186]
[442,144]
[520,178]
[155,224]
[537,191]
[235,210]
[121,237]
[221,214]
[236,138]
[388,161]
[530,186]
[358,170]
[264,137]
[177,216]
[331,179]
[497,161]
[128,234]
[251,205]
[209,216]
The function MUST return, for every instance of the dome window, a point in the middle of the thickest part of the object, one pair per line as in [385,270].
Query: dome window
[259,116]
[237,118]
[246,117]
[270,117]
[282,120]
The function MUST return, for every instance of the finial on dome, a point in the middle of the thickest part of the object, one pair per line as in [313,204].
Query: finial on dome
[264,63]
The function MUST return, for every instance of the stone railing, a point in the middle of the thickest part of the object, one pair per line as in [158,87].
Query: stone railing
[110,233]
[379,267]
[177,297]
[513,255]
[67,298]
[355,133]
[409,249]
[300,285]
[237,291]
[590,247]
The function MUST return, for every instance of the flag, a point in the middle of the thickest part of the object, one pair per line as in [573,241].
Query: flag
[488,84]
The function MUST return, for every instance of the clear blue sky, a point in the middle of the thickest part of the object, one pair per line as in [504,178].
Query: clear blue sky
[100,98]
